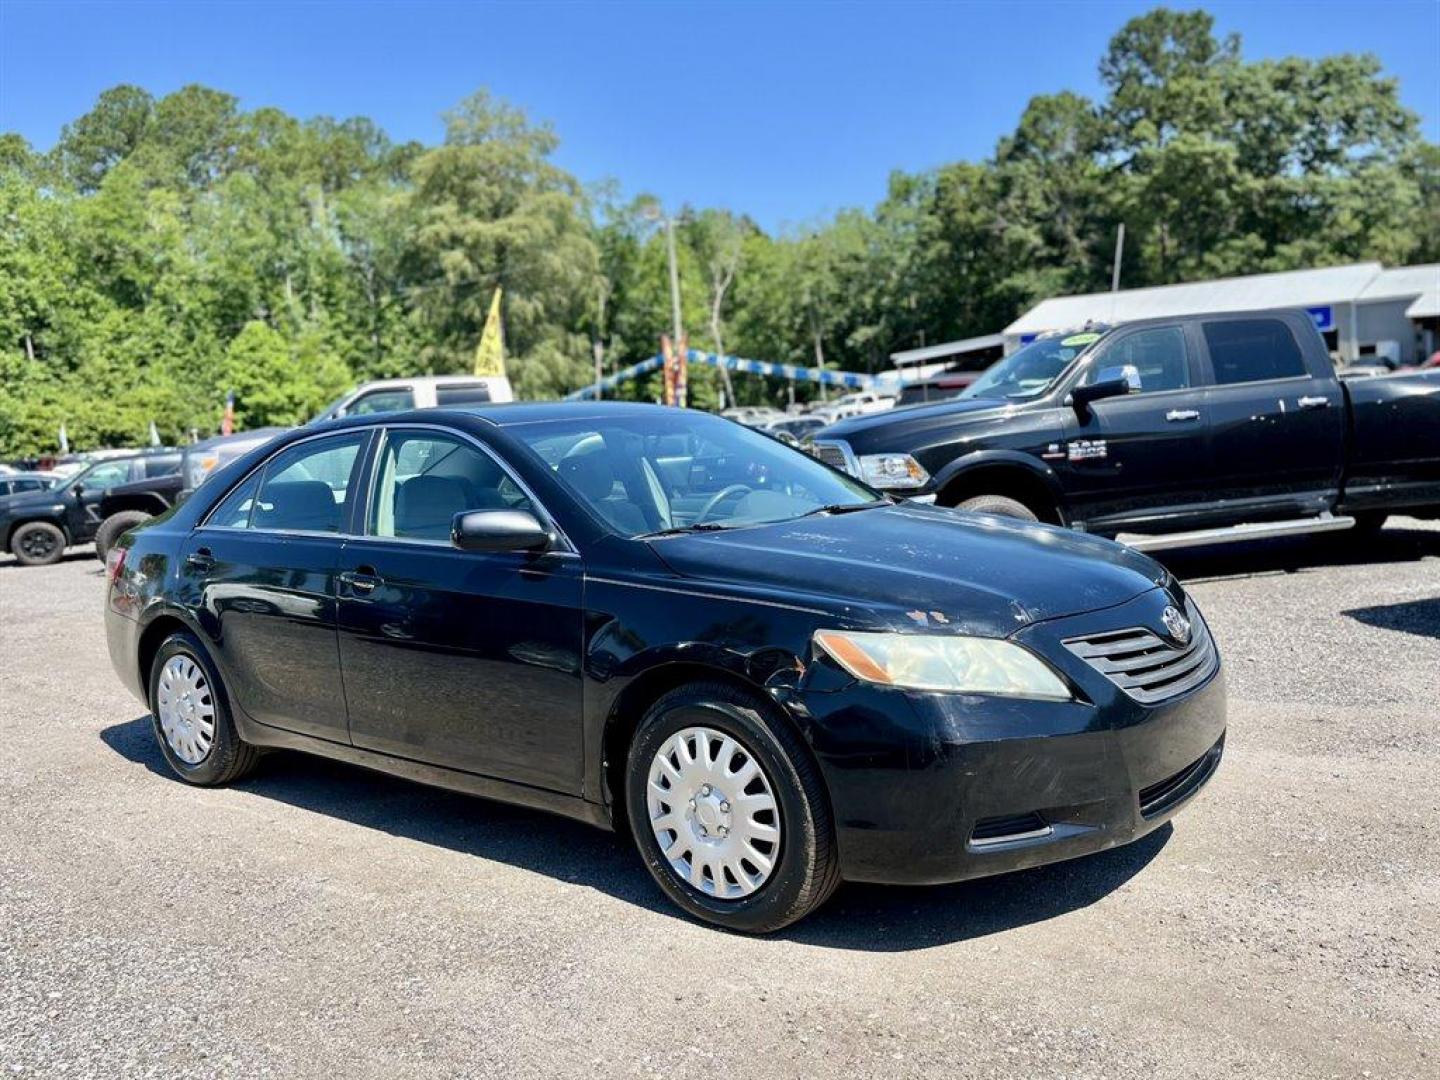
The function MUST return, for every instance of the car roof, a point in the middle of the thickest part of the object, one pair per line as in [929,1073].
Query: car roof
[508,414]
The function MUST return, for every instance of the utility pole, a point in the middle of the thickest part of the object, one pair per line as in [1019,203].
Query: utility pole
[599,346]
[1119,252]
[674,280]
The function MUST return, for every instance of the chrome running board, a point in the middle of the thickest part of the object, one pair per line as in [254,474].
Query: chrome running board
[1232,534]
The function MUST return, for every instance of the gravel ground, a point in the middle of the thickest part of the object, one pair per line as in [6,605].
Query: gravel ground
[318,919]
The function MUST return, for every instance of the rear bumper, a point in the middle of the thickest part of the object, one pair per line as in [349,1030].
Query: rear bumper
[122,638]
[949,787]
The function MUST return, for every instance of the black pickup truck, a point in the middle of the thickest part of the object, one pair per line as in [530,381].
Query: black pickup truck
[1206,427]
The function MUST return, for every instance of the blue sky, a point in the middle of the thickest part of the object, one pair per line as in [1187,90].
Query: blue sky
[785,111]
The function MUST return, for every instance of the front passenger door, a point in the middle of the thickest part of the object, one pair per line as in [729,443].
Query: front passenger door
[1135,456]
[468,660]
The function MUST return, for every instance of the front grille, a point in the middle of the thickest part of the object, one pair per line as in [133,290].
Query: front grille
[1146,666]
[997,830]
[833,453]
[1157,798]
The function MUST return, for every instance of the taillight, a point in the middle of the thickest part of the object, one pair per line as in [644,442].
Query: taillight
[115,563]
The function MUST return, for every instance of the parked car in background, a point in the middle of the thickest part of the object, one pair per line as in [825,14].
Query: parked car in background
[37,526]
[796,427]
[936,388]
[1200,428]
[380,396]
[14,482]
[654,620]
[753,415]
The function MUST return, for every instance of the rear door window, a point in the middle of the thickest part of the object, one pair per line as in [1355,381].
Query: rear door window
[464,394]
[1252,350]
[307,485]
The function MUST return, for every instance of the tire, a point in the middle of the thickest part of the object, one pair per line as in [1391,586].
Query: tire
[804,861]
[998,504]
[225,757]
[1369,523]
[114,526]
[37,543]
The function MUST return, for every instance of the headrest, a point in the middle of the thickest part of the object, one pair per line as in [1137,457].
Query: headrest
[298,504]
[426,506]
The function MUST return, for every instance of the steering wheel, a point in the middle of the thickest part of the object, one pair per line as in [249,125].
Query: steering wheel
[719,497]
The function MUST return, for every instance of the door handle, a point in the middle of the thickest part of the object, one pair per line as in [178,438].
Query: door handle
[1314,403]
[1177,415]
[200,559]
[362,580]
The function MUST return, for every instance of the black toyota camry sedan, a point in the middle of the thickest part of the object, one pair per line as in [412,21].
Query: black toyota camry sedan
[659,621]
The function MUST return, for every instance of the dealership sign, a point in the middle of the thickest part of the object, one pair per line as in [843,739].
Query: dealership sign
[1323,317]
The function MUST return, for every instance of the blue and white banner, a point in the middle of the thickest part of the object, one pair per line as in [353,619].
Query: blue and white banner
[852,379]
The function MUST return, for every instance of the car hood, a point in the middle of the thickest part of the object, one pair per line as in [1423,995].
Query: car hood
[914,420]
[912,565]
[25,500]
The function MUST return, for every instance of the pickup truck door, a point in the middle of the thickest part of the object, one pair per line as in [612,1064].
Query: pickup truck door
[1140,455]
[1277,418]
[83,506]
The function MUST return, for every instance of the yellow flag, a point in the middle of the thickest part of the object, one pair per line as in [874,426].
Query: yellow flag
[490,354]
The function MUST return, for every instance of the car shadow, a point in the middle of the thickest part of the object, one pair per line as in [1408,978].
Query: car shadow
[1396,543]
[85,553]
[1420,617]
[859,917]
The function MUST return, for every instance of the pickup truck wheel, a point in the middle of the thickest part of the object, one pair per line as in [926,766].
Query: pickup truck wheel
[1369,523]
[37,543]
[998,504]
[111,529]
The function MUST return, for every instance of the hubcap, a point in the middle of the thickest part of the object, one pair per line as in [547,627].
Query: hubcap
[714,813]
[37,544]
[187,709]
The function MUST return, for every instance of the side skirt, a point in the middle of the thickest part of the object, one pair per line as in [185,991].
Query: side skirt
[486,787]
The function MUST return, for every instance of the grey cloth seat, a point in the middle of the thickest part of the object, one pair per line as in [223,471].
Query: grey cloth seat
[425,506]
[298,504]
[593,477]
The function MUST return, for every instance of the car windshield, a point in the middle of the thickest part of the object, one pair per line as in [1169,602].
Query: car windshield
[665,471]
[1033,369]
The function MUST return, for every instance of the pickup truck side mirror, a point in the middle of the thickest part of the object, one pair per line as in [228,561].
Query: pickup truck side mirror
[1111,382]
[78,489]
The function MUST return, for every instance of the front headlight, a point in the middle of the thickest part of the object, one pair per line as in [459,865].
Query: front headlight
[968,665]
[893,472]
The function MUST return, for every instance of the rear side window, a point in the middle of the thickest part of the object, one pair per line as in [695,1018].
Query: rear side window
[471,394]
[234,511]
[1252,350]
[381,401]
[306,485]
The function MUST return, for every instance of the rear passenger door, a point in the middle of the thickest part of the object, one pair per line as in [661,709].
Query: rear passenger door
[260,574]
[1277,426]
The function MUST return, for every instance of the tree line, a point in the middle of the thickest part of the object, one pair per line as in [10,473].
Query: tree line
[169,250]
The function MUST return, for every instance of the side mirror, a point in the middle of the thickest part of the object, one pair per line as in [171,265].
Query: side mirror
[78,489]
[499,530]
[1111,382]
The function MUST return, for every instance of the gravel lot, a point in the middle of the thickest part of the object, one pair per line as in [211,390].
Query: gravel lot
[318,919]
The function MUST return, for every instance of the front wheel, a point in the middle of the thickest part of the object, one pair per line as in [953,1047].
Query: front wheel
[729,811]
[998,504]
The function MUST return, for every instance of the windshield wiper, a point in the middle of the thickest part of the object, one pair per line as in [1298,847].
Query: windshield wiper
[676,530]
[844,508]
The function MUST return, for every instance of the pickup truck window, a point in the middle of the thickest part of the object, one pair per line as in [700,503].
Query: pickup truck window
[1252,350]
[1158,355]
[379,401]
[1031,370]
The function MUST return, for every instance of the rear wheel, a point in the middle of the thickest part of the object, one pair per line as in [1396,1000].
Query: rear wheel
[38,543]
[998,504]
[729,811]
[115,526]
[191,716]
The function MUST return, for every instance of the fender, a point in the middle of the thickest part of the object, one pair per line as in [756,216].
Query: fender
[1016,459]
[145,501]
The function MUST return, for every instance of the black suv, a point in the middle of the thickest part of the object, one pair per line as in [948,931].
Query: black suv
[37,526]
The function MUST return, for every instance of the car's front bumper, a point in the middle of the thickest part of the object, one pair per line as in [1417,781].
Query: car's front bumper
[913,776]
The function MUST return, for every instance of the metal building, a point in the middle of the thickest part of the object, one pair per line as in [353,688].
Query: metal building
[1363,310]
